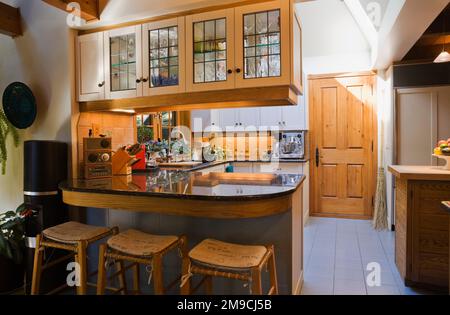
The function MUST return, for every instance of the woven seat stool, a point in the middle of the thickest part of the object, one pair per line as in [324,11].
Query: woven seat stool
[71,236]
[213,258]
[136,247]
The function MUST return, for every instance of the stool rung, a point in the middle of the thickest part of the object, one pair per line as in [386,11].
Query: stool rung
[58,289]
[59,245]
[217,273]
[57,261]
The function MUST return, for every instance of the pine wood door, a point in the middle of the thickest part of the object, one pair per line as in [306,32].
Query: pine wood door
[343,124]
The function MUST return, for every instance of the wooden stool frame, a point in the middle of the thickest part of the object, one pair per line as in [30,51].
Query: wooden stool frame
[251,275]
[155,260]
[78,250]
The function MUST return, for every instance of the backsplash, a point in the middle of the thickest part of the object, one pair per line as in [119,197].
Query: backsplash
[121,127]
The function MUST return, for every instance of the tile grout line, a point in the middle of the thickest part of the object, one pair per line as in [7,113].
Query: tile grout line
[389,263]
[362,263]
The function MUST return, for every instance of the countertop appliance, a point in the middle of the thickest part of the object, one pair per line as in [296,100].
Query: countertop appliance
[292,145]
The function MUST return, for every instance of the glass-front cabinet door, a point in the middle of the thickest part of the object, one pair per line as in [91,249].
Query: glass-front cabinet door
[263,44]
[164,57]
[210,51]
[123,62]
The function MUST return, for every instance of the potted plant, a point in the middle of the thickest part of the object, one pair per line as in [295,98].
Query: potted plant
[12,246]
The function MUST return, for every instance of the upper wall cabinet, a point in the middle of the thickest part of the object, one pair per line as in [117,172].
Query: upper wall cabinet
[263,44]
[164,57]
[210,51]
[90,67]
[123,63]
[257,45]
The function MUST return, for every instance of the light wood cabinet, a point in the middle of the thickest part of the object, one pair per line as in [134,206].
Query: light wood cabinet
[210,51]
[263,55]
[90,67]
[164,57]
[248,46]
[123,62]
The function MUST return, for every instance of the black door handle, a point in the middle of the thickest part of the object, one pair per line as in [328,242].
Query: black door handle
[317,157]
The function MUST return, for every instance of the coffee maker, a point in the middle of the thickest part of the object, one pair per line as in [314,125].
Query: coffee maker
[292,145]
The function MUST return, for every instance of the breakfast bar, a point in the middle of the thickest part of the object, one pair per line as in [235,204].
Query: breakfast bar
[242,208]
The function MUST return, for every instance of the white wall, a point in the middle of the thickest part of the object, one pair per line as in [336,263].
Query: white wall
[40,59]
[332,40]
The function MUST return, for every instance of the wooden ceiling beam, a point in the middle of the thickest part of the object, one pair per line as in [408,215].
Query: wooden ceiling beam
[10,21]
[89,9]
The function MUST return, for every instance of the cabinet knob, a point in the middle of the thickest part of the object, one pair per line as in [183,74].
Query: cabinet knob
[238,70]
[144,80]
[240,124]
[138,80]
[284,123]
[230,71]
[101,84]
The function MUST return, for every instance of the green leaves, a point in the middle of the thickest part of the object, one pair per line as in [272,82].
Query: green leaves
[5,129]
[12,234]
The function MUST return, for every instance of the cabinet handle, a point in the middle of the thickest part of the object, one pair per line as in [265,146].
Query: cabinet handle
[284,123]
[238,70]
[240,124]
[101,84]
[138,80]
[144,80]
[230,71]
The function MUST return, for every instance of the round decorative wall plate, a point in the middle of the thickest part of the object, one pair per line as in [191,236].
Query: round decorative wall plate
[19,105]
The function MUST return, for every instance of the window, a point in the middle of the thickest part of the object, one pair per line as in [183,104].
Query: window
[160,124]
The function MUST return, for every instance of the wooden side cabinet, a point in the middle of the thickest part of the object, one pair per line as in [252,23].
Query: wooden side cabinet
[422,233]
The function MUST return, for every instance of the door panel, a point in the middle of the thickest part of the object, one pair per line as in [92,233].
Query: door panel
[342,132]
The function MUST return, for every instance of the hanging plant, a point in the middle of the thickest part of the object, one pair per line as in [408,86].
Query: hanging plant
[6,129]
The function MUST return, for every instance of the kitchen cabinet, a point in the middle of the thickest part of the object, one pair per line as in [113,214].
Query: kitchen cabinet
[205,120]
[210,51]
[261,48]
[247,46]
[164,53]
[262,44]
[123,62]
[90,67]
[284,117]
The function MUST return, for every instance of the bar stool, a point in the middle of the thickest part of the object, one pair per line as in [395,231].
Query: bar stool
[137,247]
[71,236]
[212,258]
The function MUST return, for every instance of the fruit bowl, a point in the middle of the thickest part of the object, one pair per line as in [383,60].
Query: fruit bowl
[445,158]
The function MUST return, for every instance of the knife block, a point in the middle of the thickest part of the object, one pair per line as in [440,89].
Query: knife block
[121,163]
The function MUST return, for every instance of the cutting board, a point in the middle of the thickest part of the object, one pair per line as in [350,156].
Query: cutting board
[214,179]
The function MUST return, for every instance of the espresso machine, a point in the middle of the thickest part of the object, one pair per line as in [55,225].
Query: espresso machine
[292,145]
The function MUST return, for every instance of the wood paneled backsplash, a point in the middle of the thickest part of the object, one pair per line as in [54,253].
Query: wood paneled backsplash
[119,126]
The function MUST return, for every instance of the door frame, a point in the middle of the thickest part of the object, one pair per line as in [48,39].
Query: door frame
[312,145]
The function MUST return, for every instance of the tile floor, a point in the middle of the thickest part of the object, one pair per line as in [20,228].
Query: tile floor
[337,252]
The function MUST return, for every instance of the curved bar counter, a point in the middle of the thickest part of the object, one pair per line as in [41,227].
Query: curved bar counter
[235,207]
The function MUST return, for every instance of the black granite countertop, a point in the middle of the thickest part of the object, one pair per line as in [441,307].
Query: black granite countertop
[181,184]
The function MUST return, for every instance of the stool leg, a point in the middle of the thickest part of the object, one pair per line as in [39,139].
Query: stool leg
[82,261]
[158,275]
[37,267]
[186,288]
[136,279]
[256,281]
[208,285]
[273,272]
[101,278]
[122,281]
